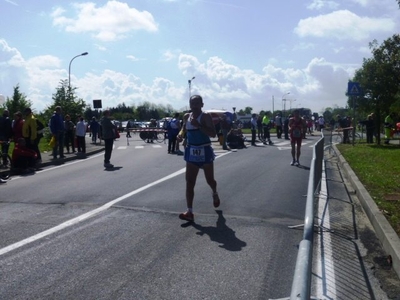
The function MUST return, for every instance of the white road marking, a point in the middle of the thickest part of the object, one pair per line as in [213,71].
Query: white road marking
[139,147]
[282,143]
[122,147]
[89,214]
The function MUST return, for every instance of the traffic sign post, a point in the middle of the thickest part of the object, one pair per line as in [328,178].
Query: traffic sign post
[353,89]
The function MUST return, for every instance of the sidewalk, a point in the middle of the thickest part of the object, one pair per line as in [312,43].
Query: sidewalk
[47,157]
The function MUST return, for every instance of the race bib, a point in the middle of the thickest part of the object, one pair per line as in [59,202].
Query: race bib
[296,133]
[197,154]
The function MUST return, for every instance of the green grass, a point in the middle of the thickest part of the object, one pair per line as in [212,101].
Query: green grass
[378,168]
[43,146]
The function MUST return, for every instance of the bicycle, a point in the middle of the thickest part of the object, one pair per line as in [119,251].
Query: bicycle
[6,165]
[338,137]
[152,134]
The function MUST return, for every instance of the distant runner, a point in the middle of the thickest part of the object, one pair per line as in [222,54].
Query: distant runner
[296,127]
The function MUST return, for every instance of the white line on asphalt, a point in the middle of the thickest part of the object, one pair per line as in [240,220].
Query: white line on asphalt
[89,214]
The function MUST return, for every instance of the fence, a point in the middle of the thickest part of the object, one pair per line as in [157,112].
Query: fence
[301,286]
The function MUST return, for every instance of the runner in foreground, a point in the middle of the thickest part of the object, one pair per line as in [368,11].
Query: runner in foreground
[197,128]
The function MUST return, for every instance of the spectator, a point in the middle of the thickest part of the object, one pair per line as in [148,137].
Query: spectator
[17,126]
[235,139]
[23,158]
[225,128]
[94,129]
[5,134]
[30,134]
[253,129]
[389,124]
[69,133]
[278,125]
[286,127]
[108,134]
[321,123]
[80,136]
[259,128]
[173,129]
[369,124]
[344,126]
[128,128]
[151,135]
[266,126]
[58,131]
[305,127]
[309,126]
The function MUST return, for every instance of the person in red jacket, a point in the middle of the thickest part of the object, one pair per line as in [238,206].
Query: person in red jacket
[23,157]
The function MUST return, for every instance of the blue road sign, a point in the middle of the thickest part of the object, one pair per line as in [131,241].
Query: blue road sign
[353,89]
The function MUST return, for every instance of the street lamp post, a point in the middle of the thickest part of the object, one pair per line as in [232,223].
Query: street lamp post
[190,86]
[69,69]
[291,100]
[284,103]
[273,105]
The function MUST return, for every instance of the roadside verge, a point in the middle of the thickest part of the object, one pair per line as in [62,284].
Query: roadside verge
[387,236]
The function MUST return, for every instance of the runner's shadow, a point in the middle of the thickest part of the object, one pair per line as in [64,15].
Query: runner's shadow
[304,167]
[221,234]
[112,169]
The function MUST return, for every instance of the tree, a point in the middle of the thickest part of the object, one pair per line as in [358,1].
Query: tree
[17,102]
[69,103]
[248,110]
[379,78]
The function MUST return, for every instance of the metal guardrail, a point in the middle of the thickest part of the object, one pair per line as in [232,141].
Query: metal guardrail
[301,286]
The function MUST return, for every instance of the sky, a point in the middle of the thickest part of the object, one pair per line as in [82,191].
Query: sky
[264,54]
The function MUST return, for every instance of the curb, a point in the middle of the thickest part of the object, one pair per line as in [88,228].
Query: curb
[61,161]
[387,236]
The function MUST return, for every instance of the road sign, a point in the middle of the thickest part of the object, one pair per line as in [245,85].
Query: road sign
[353,89]
[96,104]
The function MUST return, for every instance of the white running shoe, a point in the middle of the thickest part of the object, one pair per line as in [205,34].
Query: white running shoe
[292,163]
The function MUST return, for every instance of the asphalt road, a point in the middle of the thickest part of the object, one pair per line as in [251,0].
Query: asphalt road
[78,231]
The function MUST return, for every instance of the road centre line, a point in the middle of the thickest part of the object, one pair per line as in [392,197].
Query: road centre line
[91,213]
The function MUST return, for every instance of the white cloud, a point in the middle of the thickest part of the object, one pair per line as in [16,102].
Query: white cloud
[320,4]
[12,2]
[100,47]
[223,85]
[132,58]
[113,21]
[169,55]
[343,24]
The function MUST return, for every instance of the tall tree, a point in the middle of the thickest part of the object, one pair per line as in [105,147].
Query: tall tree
[248,110]
[18,102]
[68,101]
[379,78]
